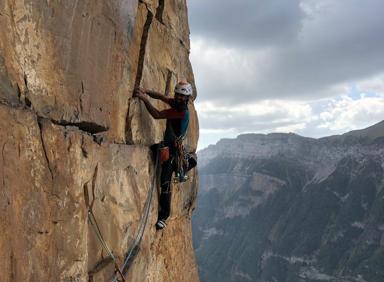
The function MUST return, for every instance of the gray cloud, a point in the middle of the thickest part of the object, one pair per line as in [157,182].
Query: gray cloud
[303,53]
[267,116]
[344,45]
[283,52]
[246,22]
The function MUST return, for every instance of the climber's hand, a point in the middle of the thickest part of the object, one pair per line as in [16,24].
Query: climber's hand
[139,93]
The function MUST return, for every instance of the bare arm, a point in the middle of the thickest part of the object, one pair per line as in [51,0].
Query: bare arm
[157,95]
[155,113]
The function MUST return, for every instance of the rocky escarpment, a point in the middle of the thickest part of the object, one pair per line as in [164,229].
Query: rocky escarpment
[72,133]
[281,207]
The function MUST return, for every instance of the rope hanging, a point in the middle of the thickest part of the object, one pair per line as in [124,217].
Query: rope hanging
[135,247]
[92,220]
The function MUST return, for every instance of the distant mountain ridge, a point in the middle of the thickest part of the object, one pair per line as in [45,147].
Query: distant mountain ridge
[247,145]
[372,132]
[282,207]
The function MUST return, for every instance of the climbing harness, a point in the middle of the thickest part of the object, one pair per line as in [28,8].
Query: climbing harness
[93,222]
[135,247]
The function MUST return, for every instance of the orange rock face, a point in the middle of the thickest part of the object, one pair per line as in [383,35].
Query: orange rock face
[72,133]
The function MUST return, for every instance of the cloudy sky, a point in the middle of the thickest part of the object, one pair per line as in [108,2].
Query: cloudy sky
[313,67]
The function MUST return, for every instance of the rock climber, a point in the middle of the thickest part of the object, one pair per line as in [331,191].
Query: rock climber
[177,117]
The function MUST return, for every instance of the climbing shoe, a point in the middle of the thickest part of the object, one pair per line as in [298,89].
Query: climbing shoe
[180,178]
[192,161]
[160,224]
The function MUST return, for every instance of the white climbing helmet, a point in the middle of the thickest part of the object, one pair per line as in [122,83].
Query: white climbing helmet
[183,88]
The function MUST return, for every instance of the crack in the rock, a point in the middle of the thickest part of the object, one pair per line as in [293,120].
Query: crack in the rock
[45,232]
[91,128]
[3,158]
[143,45]
[144,3]
[81,96]
[160,11]
[26,81]
[18,90]
[13,267]
[94,180]
[22,99]
[87,200]
[27,102]
[140,65]
[19,150]
[69,142]
[83,150]
[86,126]
[86,194]
[77,260]
[39,123]
[184,45]
[168,82]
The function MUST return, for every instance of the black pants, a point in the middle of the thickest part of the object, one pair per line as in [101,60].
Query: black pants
[167,169]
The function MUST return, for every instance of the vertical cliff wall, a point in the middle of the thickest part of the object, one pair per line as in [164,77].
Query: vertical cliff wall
[71,131]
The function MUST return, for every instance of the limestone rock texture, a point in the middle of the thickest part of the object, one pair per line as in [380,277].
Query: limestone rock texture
[71,134]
